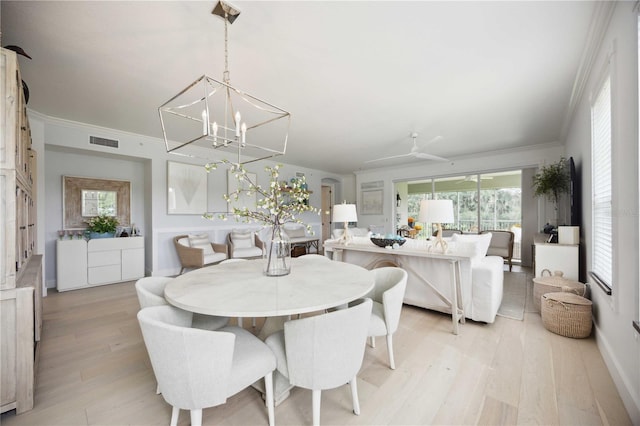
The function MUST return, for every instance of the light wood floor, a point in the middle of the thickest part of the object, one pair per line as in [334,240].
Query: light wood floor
[94,370]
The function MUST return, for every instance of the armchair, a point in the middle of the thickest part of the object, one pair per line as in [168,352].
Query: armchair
[448,232]
[196,251]
[244,244]
[501,245]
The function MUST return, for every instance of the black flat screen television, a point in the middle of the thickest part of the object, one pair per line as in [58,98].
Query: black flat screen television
[569,204]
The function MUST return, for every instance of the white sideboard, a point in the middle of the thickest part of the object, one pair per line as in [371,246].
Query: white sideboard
[557,257]
[83,263]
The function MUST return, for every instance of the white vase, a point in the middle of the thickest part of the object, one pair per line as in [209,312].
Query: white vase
[277,253]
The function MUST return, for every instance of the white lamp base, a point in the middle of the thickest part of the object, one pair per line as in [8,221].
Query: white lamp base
[439,241]
[346,238]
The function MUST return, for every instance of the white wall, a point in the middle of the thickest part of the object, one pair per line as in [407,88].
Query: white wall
[613,315]
[143,161]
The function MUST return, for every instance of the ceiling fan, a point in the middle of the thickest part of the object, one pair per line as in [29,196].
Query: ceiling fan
[415,152]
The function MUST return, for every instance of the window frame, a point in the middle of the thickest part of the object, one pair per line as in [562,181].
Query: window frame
[604,279]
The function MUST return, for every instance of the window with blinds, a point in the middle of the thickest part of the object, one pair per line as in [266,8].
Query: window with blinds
[602,230]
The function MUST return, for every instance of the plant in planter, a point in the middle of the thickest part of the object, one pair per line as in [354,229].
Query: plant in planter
[552,181]
[102,226]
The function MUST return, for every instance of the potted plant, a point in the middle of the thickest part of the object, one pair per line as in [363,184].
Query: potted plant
[102,226]
[552,181]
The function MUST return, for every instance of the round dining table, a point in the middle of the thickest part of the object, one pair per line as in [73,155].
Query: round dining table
[240,289]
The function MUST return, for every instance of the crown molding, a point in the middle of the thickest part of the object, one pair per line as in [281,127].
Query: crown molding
[597,30]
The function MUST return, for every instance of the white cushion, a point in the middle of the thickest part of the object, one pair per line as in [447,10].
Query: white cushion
[247,252]
[297,232]
[475,246]
[184,242]
[242,239]
[213,258]
[201,241]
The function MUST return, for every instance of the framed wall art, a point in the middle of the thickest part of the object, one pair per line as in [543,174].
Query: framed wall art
[186,188]
[372,201]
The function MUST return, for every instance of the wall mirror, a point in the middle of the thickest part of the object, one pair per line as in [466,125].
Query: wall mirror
[97,203]
[83,198]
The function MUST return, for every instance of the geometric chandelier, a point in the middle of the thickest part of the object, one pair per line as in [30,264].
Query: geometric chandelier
[213,115]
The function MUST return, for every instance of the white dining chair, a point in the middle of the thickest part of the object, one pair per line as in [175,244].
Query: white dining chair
[314,257]
[150,291]
[324,351]
[196,368]
[387,296]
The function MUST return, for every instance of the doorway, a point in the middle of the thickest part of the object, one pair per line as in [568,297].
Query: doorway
[326,206]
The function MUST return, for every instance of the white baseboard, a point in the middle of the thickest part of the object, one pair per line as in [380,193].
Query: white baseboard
[630,398]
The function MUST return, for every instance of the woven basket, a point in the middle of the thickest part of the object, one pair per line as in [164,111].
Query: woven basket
[554,283]
[566,314]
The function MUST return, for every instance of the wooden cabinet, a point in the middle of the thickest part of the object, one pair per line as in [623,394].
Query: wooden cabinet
[100,261]
[17,174]
[20,270]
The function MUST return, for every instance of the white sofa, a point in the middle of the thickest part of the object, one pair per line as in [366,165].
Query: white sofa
[354,232]
[481,280]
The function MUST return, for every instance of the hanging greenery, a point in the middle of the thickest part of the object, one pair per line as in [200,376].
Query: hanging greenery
[552,180]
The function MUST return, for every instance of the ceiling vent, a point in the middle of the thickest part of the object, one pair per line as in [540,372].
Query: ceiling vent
[111,143]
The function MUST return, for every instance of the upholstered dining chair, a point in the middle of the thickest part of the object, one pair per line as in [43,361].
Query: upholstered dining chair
[323,351]
[244,243]
[150,291]
[387,296]
[196,251]
[501,245]
[313,257]
[197,369]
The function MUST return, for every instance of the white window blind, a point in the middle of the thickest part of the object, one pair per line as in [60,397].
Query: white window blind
[602,259]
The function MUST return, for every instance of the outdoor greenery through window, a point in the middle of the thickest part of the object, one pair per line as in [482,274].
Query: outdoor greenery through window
[490,201]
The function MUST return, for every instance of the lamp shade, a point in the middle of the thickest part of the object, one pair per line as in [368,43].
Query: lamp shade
[345,213]
[436,211]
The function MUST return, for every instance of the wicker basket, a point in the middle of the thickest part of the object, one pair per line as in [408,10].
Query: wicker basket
[554,283]
[566,314]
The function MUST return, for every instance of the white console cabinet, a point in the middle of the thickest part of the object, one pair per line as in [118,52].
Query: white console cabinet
[557,257]
[83,263]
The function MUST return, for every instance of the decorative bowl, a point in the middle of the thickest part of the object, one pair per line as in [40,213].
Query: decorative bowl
[384,242]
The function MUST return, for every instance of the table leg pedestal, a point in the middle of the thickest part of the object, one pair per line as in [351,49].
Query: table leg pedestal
[281,388]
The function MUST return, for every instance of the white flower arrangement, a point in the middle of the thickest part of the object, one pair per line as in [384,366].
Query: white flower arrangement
[279,203]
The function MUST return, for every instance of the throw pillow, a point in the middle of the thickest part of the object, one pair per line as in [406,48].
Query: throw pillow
[475,246]
[242,239]
[201,241]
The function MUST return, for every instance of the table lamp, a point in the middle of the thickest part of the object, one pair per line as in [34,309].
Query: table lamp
[345,213]
[438,212]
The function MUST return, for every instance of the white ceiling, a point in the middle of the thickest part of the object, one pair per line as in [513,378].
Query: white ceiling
[358,77]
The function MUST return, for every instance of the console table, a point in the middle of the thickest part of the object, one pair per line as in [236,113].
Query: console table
[439,273]
[82,263]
